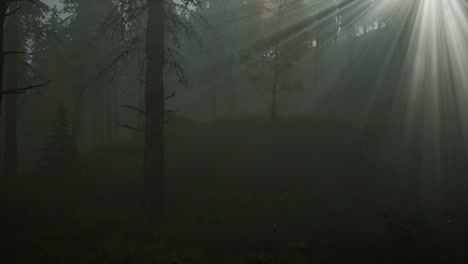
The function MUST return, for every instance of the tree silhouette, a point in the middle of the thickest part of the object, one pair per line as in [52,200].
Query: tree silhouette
[59,148]
[277,44]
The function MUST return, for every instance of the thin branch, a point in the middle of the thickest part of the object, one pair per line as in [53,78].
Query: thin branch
[12,12]
[25,89]
[170,96]
[135,108]
[17,52]
[259,59]
[172,111]
[125,125]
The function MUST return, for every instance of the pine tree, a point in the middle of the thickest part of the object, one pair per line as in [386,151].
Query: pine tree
[279,39]
[155,30]
[59,148]
[21,31]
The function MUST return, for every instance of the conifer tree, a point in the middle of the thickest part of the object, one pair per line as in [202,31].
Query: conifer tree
[59,148]
[23,28]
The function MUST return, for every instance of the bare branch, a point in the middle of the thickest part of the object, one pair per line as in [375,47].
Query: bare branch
[25,89]
[125,125]
[170,96]
[17,52]
[12,12]
[135,108]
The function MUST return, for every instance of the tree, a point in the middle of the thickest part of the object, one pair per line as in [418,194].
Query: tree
[22,28]
[282,44]
[153,31]
[11,148]
[155,109]
[73,56]
[59,149]
[4,8]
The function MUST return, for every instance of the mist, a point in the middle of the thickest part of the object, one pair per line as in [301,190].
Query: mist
[229,131]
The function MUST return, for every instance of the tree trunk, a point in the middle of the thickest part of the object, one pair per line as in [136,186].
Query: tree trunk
[276,70]
[77,114]
[2,57]
[274,92]
[115,109]
[317,53]
[231,110]
[11,144]
[2,54]
[96,120]
[214,102]
[110,116]
[155,110]
[101,110]
[104,115]
[77,126]
[414,180]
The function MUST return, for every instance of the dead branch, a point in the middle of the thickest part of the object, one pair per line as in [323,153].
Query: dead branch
[125,125]
[12,12]
[170,96]
[135,108]
[17,52]
[25,89]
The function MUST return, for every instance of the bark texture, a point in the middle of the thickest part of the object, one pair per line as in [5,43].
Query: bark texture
[155,109]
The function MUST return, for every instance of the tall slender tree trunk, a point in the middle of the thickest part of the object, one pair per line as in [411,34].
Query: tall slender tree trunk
[107,116]
[274,92]
[77,126]
[113,114]
[102,109]
[351,39]
[403,61]
[318,52]
[214,102]
[155,110]
[231,109]
[115,110]
[2,54]
[2,58]
[96,119]
[276,70]
[11,141]
[11,144]
[77,114]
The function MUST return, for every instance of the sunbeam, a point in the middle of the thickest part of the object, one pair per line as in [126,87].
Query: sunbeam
[234,131]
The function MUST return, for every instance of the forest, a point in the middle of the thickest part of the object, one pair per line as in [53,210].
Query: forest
[233,131]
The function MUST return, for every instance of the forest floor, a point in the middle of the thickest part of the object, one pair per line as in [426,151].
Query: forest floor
[237,192]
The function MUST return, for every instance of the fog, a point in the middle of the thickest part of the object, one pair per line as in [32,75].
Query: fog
[229,131]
